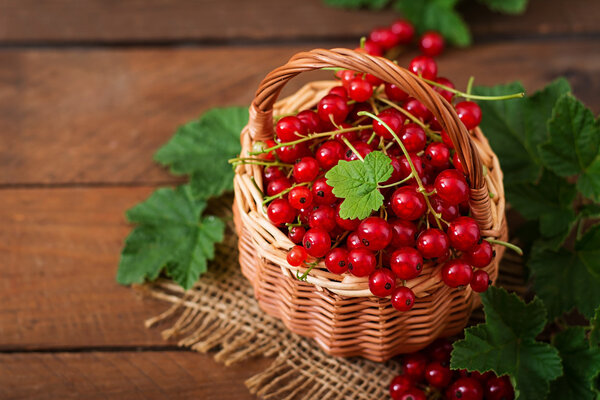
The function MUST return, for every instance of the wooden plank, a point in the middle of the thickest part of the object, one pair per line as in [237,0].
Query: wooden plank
[218,20]
[123,375]
[87,116]
[60,250]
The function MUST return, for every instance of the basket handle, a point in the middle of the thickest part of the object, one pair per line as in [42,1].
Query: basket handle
[260,125]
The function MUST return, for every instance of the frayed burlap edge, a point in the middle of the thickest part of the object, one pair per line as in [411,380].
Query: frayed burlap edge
[220,314]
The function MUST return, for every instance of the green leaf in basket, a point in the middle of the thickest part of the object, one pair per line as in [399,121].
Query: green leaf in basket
[357,183]
[581,365]
[202,147]
[573,144]
[506,344]
[171,234]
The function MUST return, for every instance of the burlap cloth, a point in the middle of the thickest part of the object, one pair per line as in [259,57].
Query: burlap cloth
[220,314]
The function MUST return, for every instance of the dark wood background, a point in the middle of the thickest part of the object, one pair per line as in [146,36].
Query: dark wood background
[89,89]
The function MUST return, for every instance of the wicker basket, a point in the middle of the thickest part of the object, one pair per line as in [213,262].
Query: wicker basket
[338,311]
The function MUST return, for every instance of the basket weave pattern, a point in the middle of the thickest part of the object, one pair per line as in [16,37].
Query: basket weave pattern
[338,311]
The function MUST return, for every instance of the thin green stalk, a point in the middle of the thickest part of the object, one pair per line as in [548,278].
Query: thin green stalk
[353,149]
[432,135]
[470,84]
[511,246]
[283,192]
[396,183]
[305,274]
[474,96]
[258,161]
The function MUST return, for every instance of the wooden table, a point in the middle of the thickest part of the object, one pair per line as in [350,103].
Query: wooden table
[89,89]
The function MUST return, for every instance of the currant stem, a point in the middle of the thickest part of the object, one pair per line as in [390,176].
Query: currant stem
[511,246]
[474,96]
[258,161]
[283,192]
[305,274]
[396,183]
[434,136]
[470,84]
[309,137]
[353,149]
[410,163]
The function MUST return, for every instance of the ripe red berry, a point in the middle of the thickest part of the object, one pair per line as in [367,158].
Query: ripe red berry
[382,282]
[413,394]
[437,154]
[465,389]
[448,211]
[296,256]
[384,38]
[418,109]
[438,374]
[271,173]
[408,204]
[464,233]
[323,216]
[362,148]
[440,350]
[448,95]
[296,233]
[480,281]
[404,233]
[300,197]
[405,169]
[480,255]
[353,242]
[306,170]
[373,80]
[433,244]
[413,366]
[392,120]
[374,233]
[394,93]
[446,139]
[311,120]
[346,224]
[317,242]
[431,43]
[290,128]
[457,163]
[270,156]
[399,385]
[280,212]
[371,48]
[499,388]
[289,154]
[456,273]
[340,90]
[403,30]
[361,262]
[332,107]
[329,154]
[406,262]
[469,113]
[403,298]
[336,260]
[423,66]
[451,186]
[278,185]
[360,90]
[322,192]
[413,137]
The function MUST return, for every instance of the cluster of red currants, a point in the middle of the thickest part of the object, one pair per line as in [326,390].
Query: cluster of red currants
[427,374]
[402,32]
[425,216]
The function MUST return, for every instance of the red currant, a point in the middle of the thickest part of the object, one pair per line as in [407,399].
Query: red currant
[382,282]
[480,255]
[449,212]
[290,128]
[452,187]
[384,38]
[438,374]
[448,95]
[300,197]
[371,48]
[431,43]
[405,169]
[414,138]
[480,281]
[289,154]
[423,66]
[394,93]
[361,262]
[392,120]
[373,80]
[311,120]
[396,171]
[360,90]
[336,260]
[362,148]
[457,163]
[406,262]
[469,113]
[306,170]
[271,173]
[353,242]
[322,217]
[456,273]
[296,233]
[322,192]
[404,233]
[413,394]
[433,244]
[340,91]
[437,154]
[446,139]
[403,30]
[317,242]
[296,256]
[332,107]
[374,233]
[440,350]
[465,389]
[464,233]
[399,385]
[346,224]
[280,212]
[413,366]
[416,108]
[403,298]
[329,154]
[278,185]
[408,204]
[499,389]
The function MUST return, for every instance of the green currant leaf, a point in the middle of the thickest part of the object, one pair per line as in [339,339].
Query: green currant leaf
[506,344]
[581,364]
[356,182]
[595,329]
[573,144]
[588,250]
[171,233]
[438,15]
[202,147]
[506,6]
[372,4]
[563,281]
